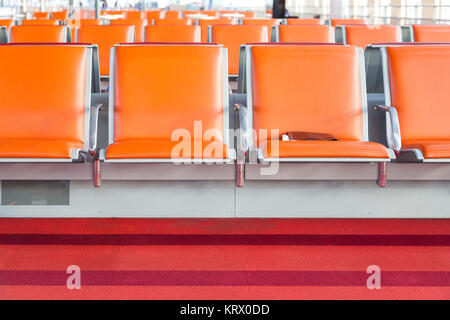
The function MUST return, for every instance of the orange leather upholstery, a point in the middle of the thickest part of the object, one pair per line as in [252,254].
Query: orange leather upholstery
[302,21]
[172,87]
[153,15]
[45,22]
[232,37]
[135,15]
[419,77]
[346,22]
[172,33]
[431,33]
[49,120]
[8,23]
[288,94]
[172,14]
[205,23]
[105,37]
[186,21]
[362,36]
[306,33]
[139,26]
[21,34]
[269,23]
[41,15]
[60,15]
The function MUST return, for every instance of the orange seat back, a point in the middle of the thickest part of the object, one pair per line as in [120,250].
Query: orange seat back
[21,34]
[205,23]
[43,22]
[289,93]
[55,104]
[362,36]
[135,15]
[8,23]
[172,14]
[269,23]
[305,33]
[346,22]
[302,21]
[185,21]
[431,33]
[249,14]
[90,22]
[418,87]
[176,85]
[232,37]
[153,15]
[60,15]
[41,15]
[105,37]
[172,33]
[138,24]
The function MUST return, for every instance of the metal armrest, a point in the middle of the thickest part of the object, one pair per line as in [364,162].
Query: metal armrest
[393,131]
[243,128]
[93,126]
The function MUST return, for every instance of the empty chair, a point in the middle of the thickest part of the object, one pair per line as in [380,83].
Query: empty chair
[416,101]
[205,23]
[303,33]
[288,100]
[172,14]
[172,33]
[269,23]
[135,15]
[46,22]
[50,123]
[186,21]
[427,33]
[346,22]
[302,21]
[41,15]
[180,112]
[138,24]
[105,37]
[232,37]
[44,33]
[362,36]
[153,15]
[7,23]
[60,15]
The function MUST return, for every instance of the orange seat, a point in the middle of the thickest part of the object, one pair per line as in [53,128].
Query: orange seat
[105,37]
[232,37]
[46,22]
[75,24]
[41,15]
[431,33]
[362,36]
[186,21]
[8,23]
[153,15]
[172,14]
[346,22]
[135,15]
[172,33]
[302,21]
[20,34]
[48,122]
[288,94]
[60,15]
[269,23]
[138,24]
[205,23]
[304,33]
[418,85]
[182,95]
[249,14]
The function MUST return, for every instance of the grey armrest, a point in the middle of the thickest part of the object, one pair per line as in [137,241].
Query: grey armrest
[93,126]
[393,130]
[243,128]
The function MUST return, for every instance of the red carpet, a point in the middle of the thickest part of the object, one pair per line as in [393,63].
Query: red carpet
[224,258]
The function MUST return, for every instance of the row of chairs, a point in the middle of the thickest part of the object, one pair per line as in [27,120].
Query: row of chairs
[170,103]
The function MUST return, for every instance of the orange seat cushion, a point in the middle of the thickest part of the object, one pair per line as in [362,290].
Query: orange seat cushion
[38,148]
[324,149]
[162,149]
[431,149]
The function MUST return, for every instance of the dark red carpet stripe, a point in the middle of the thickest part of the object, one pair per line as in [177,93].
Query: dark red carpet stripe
[224,278]
[226,239]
